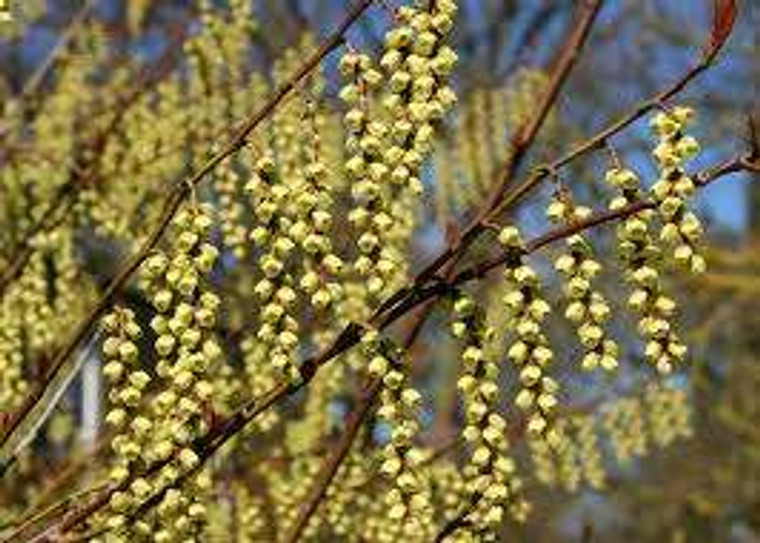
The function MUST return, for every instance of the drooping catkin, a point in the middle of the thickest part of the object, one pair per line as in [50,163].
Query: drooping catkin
[681,230]
[587,308]
[408,499]
[275,291]
[530,350]
[641,259]
[490,472]
[127,382]
[668,414]
[624,423]
[322,267]
[176,282]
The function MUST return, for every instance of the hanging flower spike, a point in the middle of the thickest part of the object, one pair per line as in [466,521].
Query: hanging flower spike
[668,414]
[641,259]
[368,169]
[682,230]
[587,308]
[408,499]
[625,426]
[131,428]
[311,230]
[186,308]
[278,329]
[490,472]
[530,351]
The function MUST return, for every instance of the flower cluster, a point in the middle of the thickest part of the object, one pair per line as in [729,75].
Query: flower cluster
[575,457]
[681,230]
[31,301]
[530,350]
[311,230]
[624,423]
[289,488]
[408,500]
[668,414]
[251,525]
[261,377]
[418,65]
[368,168]
[278,329]
[127,383]
[13,386]
[568,472]
[589,451]
[641,258]
[490,472]
[287,141]
[587,308]
[38,310]
[342,501]
[185,317]
[231,211]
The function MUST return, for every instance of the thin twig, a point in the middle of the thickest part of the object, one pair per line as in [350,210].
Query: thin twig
[701,180]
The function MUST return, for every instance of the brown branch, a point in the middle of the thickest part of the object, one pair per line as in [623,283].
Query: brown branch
[218,436]
[479,225]
[171,206]
[704,178]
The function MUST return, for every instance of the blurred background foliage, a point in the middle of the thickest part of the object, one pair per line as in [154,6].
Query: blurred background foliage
[706,489]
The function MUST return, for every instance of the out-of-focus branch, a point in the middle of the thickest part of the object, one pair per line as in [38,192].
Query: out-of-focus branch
[65,197]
